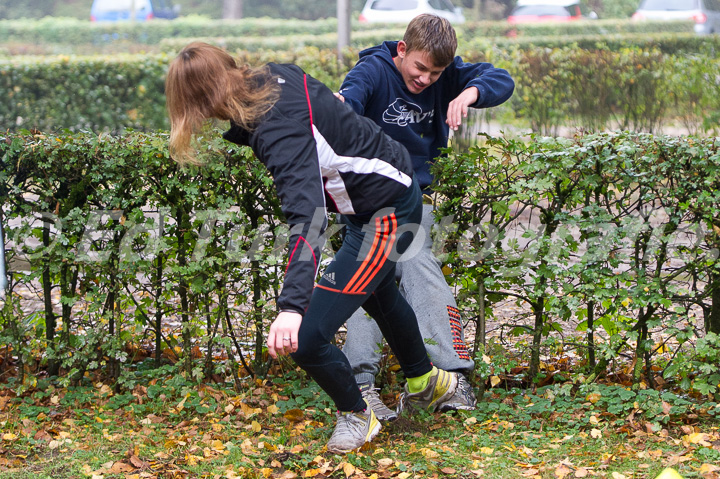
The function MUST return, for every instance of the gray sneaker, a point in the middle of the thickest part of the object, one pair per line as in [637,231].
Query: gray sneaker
[353,429]
[441,387]
[464,397]
[372,397]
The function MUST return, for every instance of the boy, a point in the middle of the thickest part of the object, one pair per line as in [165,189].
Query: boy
[416,90]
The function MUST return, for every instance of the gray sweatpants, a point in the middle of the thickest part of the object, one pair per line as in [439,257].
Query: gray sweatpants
[423,285]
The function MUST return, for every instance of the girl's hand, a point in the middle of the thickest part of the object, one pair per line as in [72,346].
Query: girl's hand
[283,336]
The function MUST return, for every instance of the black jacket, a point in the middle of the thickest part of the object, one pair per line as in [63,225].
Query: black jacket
[322,157]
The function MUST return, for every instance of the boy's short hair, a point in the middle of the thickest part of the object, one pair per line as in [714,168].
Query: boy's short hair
[434,35]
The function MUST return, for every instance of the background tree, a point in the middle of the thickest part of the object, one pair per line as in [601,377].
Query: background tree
[232,9]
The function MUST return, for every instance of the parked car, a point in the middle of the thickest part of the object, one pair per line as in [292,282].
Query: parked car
[402,11]
[118,10]
[533,11]
[705,13]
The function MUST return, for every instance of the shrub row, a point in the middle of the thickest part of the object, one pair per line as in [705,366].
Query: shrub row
[668,42]
[613,237]
[78,32]
[671,43]
[634,88]
[359,40]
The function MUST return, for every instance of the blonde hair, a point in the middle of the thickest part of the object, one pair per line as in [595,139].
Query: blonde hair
[433,35]
[205,82]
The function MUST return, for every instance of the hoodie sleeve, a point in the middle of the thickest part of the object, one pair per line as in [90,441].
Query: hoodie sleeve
[495,85]
[290,155]
[359,84]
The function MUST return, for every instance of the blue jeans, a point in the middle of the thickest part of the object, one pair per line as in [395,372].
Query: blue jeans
[362,274]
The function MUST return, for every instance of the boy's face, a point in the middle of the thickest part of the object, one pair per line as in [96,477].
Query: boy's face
[417,68]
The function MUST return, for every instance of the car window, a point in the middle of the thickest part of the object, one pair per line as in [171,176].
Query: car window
[543,10]
[120,5]
[669,4]
[441,5]
[713,5]
[394,5]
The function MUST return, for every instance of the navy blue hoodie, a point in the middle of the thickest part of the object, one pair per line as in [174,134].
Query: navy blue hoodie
[375,89]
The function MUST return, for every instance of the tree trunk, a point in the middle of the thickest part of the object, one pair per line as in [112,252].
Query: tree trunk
[232,9]
[591,335]
[343,28]
[713,325]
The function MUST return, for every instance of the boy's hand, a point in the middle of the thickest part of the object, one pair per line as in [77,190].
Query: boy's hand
[458,108]
[339,97]
[283,336]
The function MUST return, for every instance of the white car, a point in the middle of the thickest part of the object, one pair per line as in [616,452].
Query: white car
[705,13]
[402,11]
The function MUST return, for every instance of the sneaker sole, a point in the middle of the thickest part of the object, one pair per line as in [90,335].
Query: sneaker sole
[387,417]
[374,430]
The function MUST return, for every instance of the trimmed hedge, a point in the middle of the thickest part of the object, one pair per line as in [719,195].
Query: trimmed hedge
[633,88]
[359,40]
[70,31]
[618,237]
[84,93]
[670,43]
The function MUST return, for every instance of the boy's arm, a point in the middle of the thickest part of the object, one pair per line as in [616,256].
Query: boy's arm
[476,85]
[291,157]
[358,85]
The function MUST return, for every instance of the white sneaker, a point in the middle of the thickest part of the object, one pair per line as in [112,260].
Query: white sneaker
[440,387]
[353,429]
[463,399]
[372,397]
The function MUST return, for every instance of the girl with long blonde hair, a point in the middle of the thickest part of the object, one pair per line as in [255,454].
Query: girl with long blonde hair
[322,157]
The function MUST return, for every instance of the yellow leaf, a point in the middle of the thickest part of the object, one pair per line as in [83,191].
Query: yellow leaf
[486,359]
[294,415]
[8,436]
[594,420]
[487,450]
[273,409]
[348,469]
[403,475]
[707,469]
[256,427]
[669,473]
[429,453]
[494,381]
[617,475]
[596,433]
[581,472]
[698,438]
[181,404]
